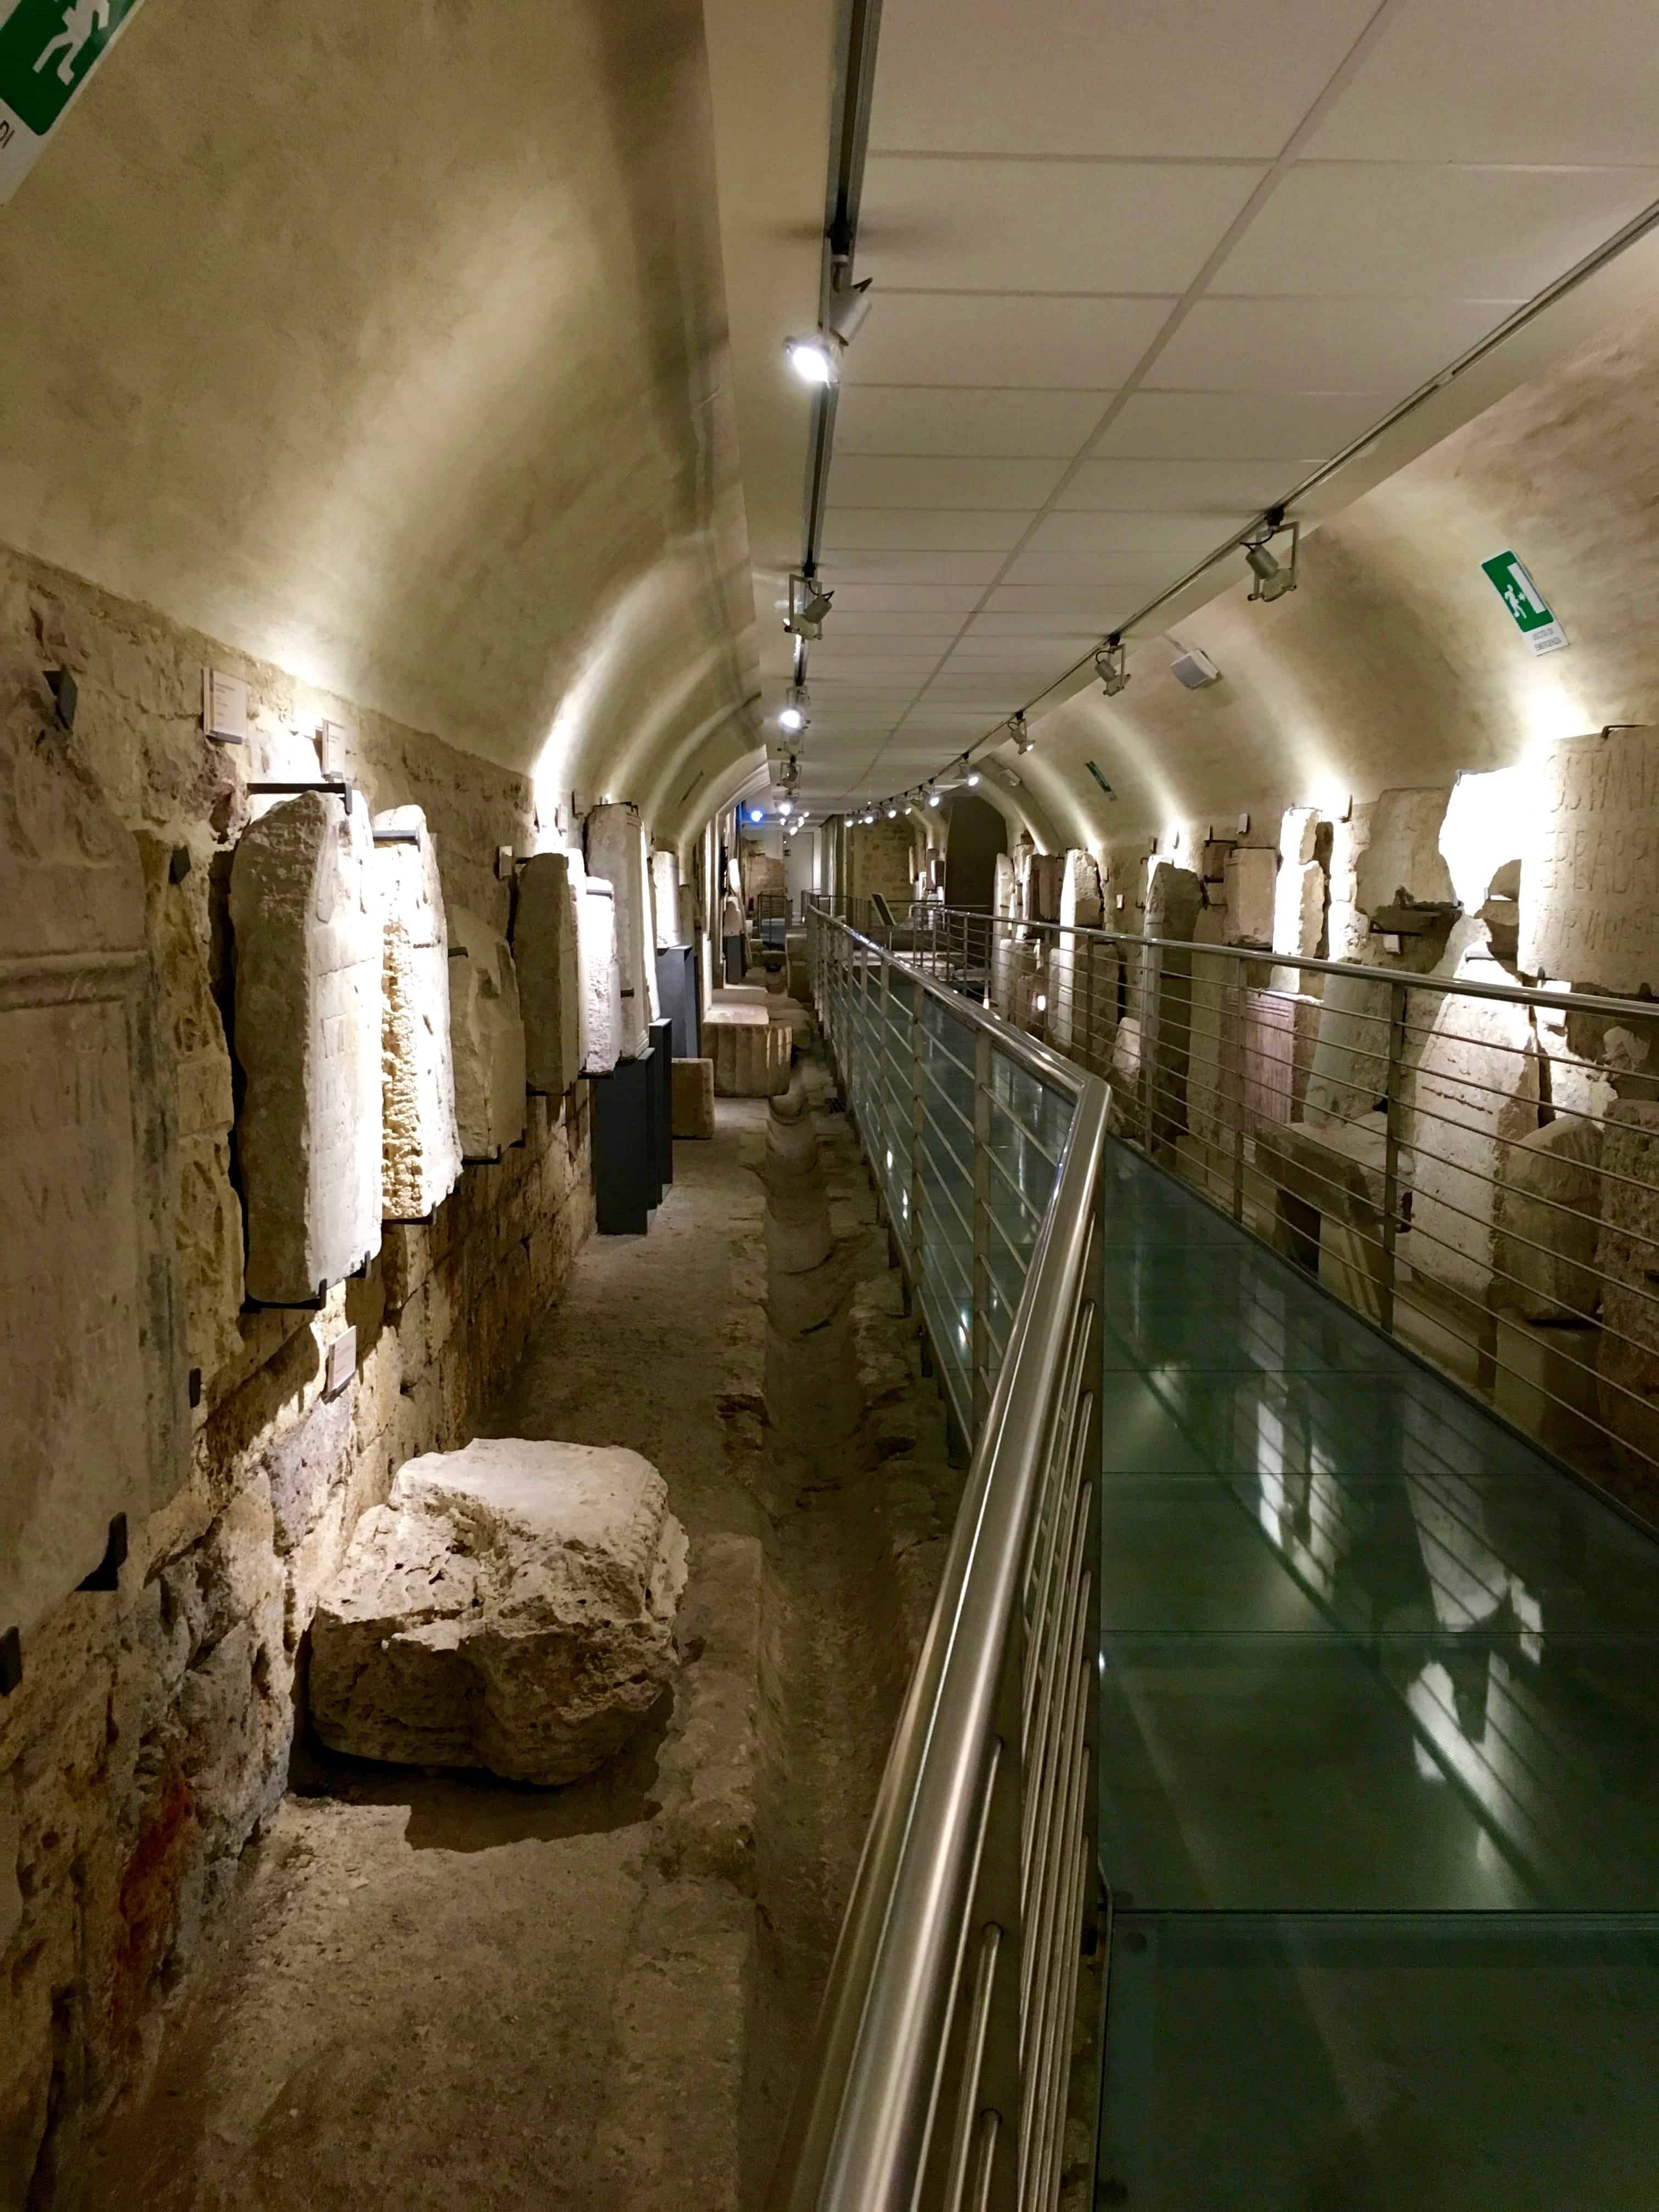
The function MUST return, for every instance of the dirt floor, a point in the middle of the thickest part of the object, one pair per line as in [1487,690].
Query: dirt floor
[436,1990]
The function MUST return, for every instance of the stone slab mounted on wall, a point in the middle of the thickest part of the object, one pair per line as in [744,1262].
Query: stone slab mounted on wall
[1589,875]
[92,1418]
[1251,875]
[615,843]
[486,1037]
[1403,863]
[665,897]
[1069,1015]
[601,1024]
[547,948]
[309,953]
[420,1159]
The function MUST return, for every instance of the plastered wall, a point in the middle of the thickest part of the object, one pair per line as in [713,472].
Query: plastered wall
[149,1738]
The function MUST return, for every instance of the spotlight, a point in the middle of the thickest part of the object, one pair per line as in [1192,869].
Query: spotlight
[971,777]
[849,304]
[786,806]
[1110,665]
[757,814]
[809,603]
[816,360]
[1022,737]
[932,796]
[793,715]
[892,814]
[1272,578]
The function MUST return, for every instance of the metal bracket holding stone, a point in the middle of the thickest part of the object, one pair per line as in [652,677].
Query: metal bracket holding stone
[396,836]
[341,791]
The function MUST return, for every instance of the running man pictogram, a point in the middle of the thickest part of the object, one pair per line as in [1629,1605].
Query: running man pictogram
[81,19]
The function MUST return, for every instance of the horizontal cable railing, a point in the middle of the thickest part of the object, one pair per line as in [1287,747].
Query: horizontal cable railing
[1470,1162]
[940,2071]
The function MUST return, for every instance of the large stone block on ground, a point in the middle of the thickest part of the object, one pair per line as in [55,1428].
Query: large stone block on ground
[750,1050]
[547,948]
[421,1146]
[309,956]
[208,1225]
[601,1024]
[1588,912]
[1549,1220]
[614,844]
[511,1606]
[693,1103]
[486,1037]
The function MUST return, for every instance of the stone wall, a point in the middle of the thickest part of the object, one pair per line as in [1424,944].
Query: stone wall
[147,1741]
[879,858]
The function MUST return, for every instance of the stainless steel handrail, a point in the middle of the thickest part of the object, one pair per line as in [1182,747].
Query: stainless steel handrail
[859,2132]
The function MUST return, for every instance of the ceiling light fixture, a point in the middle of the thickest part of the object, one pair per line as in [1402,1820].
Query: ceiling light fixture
[1110,665]
[1272,578]
[892,811]
[793,714]
[1022,737]
[757,814]
[932,795]
[848,305]
[786,806]
[816,359]
[808,604]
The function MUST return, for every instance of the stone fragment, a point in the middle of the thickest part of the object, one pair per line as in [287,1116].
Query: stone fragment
[1549,1220]
[309,957]
[1299,912]
[1589,915]
[511,1606]
[1174,899]
[614,841]
[547,950]
[1047,873]
[750,1050]
[601,1025]
[1005,907]
[693,1110]
[1349,1068]
[208,1223]
[303,1464]
[1485,829]
[666,896]
[1079,908]
[1251,874]
[486,1035]
[1402,864]
[1476,1095]
[1212,1056]
[1298,830]
[1627,1260]
[421,1161]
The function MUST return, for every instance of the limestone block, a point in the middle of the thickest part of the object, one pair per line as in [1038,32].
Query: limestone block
[1549,1220]
[486,1034]
[1627,1260]
[91,1416]
[1299,910]
[616,850]
[309,957]
[511,1606]
[1212,1052]
[751,1052]
[600,1029]
[1350,1069]
[1476,1095]
[1485,829]
[1046,872]
[1174,899]
[1588,912]
[1005,904]
[1251,871]
[1079,908]
[1402,862]
[693,1111]
[1298,828]
[665,897]
[547,950]
[208,1222]
[420,1147]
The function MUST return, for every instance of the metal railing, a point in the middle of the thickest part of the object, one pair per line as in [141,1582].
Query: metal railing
[1471,1163]
[939,2072]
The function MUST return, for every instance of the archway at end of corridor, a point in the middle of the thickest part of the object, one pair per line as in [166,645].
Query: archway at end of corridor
[977,834]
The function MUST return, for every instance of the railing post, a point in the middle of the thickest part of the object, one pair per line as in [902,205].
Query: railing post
[980,1351]
[918,1122]
[1150,975]
[1393,1088]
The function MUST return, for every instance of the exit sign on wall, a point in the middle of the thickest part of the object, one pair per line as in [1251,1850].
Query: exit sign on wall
[48,49]
[1525,602]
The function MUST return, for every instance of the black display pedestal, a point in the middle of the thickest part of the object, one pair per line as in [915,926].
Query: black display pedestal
[625,1154]
[677,990]
[662,1103]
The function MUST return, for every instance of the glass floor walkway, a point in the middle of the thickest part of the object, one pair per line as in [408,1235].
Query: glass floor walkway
[1380,1766]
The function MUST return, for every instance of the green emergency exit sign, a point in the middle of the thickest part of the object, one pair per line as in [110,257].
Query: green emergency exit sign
[1525,602]
[48,49]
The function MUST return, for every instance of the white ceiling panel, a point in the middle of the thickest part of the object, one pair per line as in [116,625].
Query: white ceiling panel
[900,480]
[1051,612]
[1174,487]
[1115,572]
[1240,426]
[1031,226]
[991,338]
[977,644]
[1387,229]
[869,529]
[1172,536]
[1148,76]
[874,418]
[867,567]
[1263,345]
[905,599]
[1484,81]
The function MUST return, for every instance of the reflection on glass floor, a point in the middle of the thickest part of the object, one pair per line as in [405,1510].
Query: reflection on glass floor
[1379,1756]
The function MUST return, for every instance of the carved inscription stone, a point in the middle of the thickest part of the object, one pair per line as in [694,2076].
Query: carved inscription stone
[91,1418]
[309,954]
[546,944]
[616,850]
[422,1153]
[601,999]
[1589,876]
[665,897]
[486,1037]
[1069,1013]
